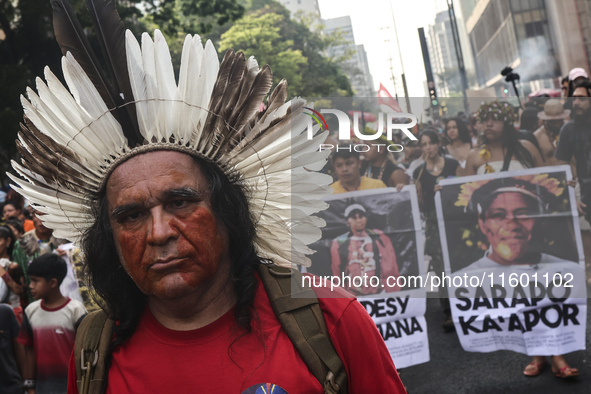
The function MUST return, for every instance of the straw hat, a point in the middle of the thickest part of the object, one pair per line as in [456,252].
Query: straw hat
[553,110]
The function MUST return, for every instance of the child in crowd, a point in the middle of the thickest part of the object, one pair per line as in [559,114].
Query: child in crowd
[49,327]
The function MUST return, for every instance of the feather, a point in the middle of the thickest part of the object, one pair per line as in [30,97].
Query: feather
[213,123]
[71,38]
[154,132]
[137,76]
[52,161]
[223,124]
[251,100]
[166,88]
[188,92]
[210,67]
[111,37]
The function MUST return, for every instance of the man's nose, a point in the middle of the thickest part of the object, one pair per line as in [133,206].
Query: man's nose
[161,230]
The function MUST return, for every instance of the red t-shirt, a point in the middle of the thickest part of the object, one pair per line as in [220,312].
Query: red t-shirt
[212,359]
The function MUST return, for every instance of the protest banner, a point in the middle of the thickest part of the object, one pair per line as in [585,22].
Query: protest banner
[514,262]
[372,247]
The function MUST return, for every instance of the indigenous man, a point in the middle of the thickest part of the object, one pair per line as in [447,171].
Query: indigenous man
[347,165]
[362,252]
[179,194]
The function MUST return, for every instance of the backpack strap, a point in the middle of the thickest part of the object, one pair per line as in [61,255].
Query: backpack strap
[299,312]
[93,338]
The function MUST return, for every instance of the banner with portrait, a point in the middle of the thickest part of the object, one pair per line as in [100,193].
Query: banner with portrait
[514,261]
[372,247]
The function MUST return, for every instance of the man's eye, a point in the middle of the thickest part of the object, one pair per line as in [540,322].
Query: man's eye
[131,217]
[498,215]
[178,203]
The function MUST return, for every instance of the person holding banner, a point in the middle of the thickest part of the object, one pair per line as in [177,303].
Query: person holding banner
[502,149]
[435,168]
[364,253]
[347,165]
[508,216]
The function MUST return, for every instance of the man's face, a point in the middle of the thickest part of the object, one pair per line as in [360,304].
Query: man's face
[10,211]
[508,225]
[564,89]
[347,169]
[37,221]
[168,239]
[581,103]
[554,125]
[373,152]
[357,221]
[493,129]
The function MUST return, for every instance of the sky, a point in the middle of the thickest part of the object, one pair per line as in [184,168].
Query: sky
[373,25]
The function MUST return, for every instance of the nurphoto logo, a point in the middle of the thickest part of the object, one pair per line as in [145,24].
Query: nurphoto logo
[387,122]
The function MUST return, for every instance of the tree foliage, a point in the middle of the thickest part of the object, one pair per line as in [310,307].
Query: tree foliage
[259,36]
[295,49]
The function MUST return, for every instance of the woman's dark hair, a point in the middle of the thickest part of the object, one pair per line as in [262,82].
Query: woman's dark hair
[16,198]
[431,134]
[120,296]
[529,119]
[6,232]
[511,143]
[584,84]
[433,137]
[13,203]
[463,131]
[17,224]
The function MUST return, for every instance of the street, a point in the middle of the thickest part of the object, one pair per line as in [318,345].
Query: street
[452,370]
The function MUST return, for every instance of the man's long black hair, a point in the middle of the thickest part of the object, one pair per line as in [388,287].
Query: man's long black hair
[120,296]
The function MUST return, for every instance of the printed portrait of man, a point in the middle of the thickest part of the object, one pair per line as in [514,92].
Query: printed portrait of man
[363,252]
[511,214]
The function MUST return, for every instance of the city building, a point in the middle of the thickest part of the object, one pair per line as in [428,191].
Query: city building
[541,40]
[295,7]
[444,62]
[356,66]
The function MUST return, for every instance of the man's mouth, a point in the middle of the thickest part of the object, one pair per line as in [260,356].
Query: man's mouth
[165,264]
[514,237]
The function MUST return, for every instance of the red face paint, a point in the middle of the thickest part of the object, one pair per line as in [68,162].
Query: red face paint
[169,245]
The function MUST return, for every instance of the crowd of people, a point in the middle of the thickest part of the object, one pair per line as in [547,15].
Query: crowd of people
[42,282]
[498,137]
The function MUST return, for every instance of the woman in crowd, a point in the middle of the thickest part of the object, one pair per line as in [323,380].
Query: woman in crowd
[459,138]
[502,150]
[435,168]
[13,210]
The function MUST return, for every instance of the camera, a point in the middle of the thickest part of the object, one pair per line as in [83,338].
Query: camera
[509,75]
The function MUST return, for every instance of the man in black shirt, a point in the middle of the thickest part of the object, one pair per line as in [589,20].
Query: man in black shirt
[575,140]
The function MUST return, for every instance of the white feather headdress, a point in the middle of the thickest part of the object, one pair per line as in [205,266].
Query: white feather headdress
[73,138]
